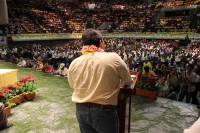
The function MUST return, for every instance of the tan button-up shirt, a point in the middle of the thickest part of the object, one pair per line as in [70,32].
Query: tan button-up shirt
[95,77]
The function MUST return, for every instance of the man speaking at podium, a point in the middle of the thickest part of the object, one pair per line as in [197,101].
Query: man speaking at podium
[95,77]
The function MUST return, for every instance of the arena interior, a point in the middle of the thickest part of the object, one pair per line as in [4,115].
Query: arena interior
[161,33]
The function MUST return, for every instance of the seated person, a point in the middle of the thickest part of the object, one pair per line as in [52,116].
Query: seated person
[3,53]
[147,71]
[28,64]
[62,70]
[38,65]
[14,60]
[147,63]
[140,66]
[55,67]
[46,68]
[21,62]
[3,118]
[166,93]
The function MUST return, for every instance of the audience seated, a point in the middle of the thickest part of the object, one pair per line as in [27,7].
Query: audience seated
[149,56]
[21,62]
[14,60]
[177,24]
[28,64]
[190,2]
[62,70]
[3,54]
[174,3]
[38,65]
[44,17]
[140,15]
[147,71]
[46,68]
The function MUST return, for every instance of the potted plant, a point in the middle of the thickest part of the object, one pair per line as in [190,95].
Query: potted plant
[148,86]
[4,98]
[30,89]
[28,86]
[16,95]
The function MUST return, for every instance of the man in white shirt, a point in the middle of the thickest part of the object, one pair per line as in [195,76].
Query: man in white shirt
[22,62]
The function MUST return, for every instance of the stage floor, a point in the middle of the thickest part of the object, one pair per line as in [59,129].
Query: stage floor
[8,76]
[161,115]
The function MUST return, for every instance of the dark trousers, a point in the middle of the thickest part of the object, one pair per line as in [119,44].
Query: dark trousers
[184,92]
[194,97]
[96,120]
[189,96]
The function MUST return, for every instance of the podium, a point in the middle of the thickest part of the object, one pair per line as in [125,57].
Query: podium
[124,104]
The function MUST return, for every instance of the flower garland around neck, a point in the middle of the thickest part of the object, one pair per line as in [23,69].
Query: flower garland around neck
[91,49]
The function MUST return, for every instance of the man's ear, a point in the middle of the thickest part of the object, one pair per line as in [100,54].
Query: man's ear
[101,44]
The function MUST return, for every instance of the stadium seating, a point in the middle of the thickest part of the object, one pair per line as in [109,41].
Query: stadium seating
[129,16]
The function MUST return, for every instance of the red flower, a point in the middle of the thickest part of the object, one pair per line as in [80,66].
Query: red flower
[11,87]
[30,78]
[19,83]
[4,90]
[2,93]
[22,80]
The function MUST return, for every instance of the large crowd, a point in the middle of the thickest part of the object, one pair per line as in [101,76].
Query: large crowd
[60,17]
[160,56]
[177,69]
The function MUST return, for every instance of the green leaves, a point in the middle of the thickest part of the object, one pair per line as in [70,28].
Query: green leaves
[29,87]
[152,86]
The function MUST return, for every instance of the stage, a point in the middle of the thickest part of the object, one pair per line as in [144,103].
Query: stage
[8,76]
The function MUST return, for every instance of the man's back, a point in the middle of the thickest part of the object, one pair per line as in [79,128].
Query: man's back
[96,77]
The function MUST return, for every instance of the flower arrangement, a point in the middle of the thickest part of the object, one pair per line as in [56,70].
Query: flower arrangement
[90,49]
[149,82]
[5,95]
[26,78]
[27,84]
[24,85]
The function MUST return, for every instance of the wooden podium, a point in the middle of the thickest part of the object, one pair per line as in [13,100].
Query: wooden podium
[124,104]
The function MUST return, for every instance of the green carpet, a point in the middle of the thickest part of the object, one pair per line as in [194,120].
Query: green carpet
[52,111]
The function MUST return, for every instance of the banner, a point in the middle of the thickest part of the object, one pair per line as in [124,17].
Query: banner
[55,36]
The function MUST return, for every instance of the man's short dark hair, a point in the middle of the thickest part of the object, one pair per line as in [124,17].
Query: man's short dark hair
[91,37]
[146,68]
